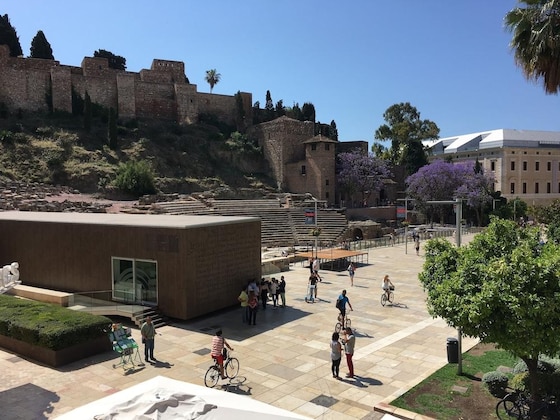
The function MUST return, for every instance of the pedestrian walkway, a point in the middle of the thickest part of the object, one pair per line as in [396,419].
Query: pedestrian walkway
[285,358]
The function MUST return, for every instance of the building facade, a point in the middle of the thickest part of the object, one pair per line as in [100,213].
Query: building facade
[187,266]
[525,164]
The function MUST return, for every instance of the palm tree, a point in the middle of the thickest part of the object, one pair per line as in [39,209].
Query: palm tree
[536,40]
[212,77]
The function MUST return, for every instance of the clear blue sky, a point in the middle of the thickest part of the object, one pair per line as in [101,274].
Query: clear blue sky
[351,59]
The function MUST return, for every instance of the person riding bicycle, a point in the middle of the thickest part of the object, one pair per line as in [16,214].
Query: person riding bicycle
[387,285]
[218,343]
[341,305]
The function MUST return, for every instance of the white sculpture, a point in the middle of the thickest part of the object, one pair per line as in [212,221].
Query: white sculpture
[9,277]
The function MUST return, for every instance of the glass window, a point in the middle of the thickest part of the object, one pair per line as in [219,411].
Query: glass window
[548,188]
[524,188]
[524,166]
[134,280]
[493,166]
[314,146]
[303,170]
[327,146]
[548,166]
[536,187]
[512,188]
[537,166]
[513,165]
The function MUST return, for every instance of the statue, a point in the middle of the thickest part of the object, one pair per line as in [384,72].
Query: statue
[9,276]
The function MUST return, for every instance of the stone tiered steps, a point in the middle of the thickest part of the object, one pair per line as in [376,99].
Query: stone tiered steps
[280,227]
[331,222]
[187,206]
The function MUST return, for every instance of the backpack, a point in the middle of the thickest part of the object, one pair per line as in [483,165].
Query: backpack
[338,303]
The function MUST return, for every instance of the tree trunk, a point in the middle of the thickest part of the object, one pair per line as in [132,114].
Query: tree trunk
[534,386]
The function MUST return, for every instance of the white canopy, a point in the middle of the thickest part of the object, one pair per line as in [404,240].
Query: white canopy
[163,398]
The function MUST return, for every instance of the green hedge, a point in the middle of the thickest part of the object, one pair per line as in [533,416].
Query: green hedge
[46,325]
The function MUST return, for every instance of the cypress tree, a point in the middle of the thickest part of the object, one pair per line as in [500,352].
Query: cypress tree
[8,36]
[87,112]
[112,129]
[40,47]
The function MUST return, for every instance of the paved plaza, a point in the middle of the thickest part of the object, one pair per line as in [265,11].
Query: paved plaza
[285,358]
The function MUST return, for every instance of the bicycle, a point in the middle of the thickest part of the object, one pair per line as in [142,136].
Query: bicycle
[387,297]
[518,405]
[340,325]
[231,369]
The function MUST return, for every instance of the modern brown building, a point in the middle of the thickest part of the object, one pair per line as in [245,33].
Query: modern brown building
[187,266]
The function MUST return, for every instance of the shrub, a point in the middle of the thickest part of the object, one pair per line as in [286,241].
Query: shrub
[496,382]
[47,325]
[136,178]
[520,381]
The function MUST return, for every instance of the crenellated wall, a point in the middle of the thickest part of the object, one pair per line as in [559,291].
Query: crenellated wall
[162,92]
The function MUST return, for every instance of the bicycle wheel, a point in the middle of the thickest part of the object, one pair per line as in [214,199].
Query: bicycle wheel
[383,299]
[391,297]
[510,407]
[338,327]
[232,368]
[212,376]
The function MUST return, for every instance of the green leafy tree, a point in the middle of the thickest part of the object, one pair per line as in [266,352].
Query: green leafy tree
[535,41]
[502,287]
[295,112]
[135,177]
[406,131]
[239,112]
[280,109]
[115,61]
[308,111]
[8,36]
[550,216]
[40,47]
[269,111]
[212,78]
[333,131]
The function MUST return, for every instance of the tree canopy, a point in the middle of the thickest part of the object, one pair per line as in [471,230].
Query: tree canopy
[8,36]
[40,47]
[442,180]
[502,287]
[362,173]
[406,131]
[115,61]
[536,31]
[212,78]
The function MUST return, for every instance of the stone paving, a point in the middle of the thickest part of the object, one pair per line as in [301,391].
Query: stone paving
[285,358]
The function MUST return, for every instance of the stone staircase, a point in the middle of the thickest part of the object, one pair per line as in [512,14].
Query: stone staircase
[280,227]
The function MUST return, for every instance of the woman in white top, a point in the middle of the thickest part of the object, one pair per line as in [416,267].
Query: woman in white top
[336,352]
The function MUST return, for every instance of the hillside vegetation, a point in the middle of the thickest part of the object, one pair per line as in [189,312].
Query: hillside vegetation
[56,149]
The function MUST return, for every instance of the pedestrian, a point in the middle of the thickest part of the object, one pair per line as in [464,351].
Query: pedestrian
[274,292]
[282,291]
[336,355]
[148,332]
[253,306]
[351,272]
[341,305]
[391,239]
[243,298]
[417,245]
[218,343]
[310,265]
[316,266]
[349,342]
[264,293]
[312,285]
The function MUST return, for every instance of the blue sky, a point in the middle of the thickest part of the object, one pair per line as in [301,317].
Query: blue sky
[352,60]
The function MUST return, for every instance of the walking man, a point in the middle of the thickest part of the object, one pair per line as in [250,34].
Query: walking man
[282,291]
[148,332]
[349,343]
[341,305]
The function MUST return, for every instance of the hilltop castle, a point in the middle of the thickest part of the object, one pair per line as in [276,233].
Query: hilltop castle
[298,160]
[162,92]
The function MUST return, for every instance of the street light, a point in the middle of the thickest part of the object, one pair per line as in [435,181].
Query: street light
[458,216]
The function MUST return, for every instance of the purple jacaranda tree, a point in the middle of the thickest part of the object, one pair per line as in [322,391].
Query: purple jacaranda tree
[443,181]
[361,172]
[476,190]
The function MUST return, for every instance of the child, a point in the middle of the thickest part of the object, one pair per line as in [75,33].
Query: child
[387,285]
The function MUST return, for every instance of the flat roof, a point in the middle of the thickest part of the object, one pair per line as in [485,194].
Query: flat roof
[124,219]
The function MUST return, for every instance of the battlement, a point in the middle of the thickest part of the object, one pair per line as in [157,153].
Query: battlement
[163,91]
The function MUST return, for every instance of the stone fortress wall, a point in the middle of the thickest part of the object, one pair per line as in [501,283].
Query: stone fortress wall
[161,92]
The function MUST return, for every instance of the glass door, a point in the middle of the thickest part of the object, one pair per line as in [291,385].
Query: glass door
[135,281]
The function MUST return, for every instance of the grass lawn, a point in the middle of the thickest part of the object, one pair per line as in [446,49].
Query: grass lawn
[446,395]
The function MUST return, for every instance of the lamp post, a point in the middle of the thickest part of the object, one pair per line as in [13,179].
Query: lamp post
[458,216]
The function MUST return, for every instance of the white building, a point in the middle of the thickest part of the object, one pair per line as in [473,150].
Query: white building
[525,164]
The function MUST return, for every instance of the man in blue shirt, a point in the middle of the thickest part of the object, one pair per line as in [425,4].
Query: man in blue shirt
[341,305]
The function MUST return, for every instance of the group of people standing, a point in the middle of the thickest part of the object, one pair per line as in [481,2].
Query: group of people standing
[265,290]
[348,340]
